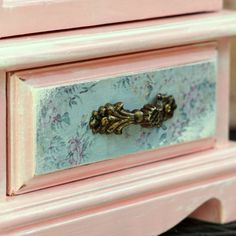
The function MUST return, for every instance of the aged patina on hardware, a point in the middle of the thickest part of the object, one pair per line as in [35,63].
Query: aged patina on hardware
[113,118]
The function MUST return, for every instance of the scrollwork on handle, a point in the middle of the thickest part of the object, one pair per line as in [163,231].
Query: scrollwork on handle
[113,118]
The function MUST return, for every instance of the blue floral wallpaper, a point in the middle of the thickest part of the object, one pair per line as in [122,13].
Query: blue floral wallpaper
[64,140]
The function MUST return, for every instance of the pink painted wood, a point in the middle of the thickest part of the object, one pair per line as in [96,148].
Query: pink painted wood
[223,89]
[141,201]
[39,15]
[3,137]
[21,167]
[106,41]
[145,200]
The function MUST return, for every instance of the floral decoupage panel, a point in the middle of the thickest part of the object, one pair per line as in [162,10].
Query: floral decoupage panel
[64,139]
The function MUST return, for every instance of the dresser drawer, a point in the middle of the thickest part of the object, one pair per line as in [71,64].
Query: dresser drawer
[46,15]
[65,122]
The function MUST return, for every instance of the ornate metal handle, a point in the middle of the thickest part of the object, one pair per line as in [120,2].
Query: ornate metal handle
[113,118]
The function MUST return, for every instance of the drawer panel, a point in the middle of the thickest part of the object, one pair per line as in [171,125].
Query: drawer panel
[52,108]
[64,139]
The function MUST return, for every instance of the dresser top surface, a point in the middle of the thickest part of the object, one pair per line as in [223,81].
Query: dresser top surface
[34,16]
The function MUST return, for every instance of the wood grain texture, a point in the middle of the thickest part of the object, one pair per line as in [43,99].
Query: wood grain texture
[39,15]
[158,195]
[58,48]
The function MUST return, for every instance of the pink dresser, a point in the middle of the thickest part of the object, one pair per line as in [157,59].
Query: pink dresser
[114,116]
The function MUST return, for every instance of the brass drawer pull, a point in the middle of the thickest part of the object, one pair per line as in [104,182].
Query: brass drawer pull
[113,118]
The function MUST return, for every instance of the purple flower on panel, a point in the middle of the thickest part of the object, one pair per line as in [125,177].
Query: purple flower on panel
[58,121]
[75,151]
[52,117]
[77,147]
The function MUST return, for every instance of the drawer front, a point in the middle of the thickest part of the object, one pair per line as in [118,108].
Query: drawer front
[54,113]
[47,14]
[64,139]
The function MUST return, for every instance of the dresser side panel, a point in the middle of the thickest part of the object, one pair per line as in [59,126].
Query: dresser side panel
[223,87]
[3,136]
